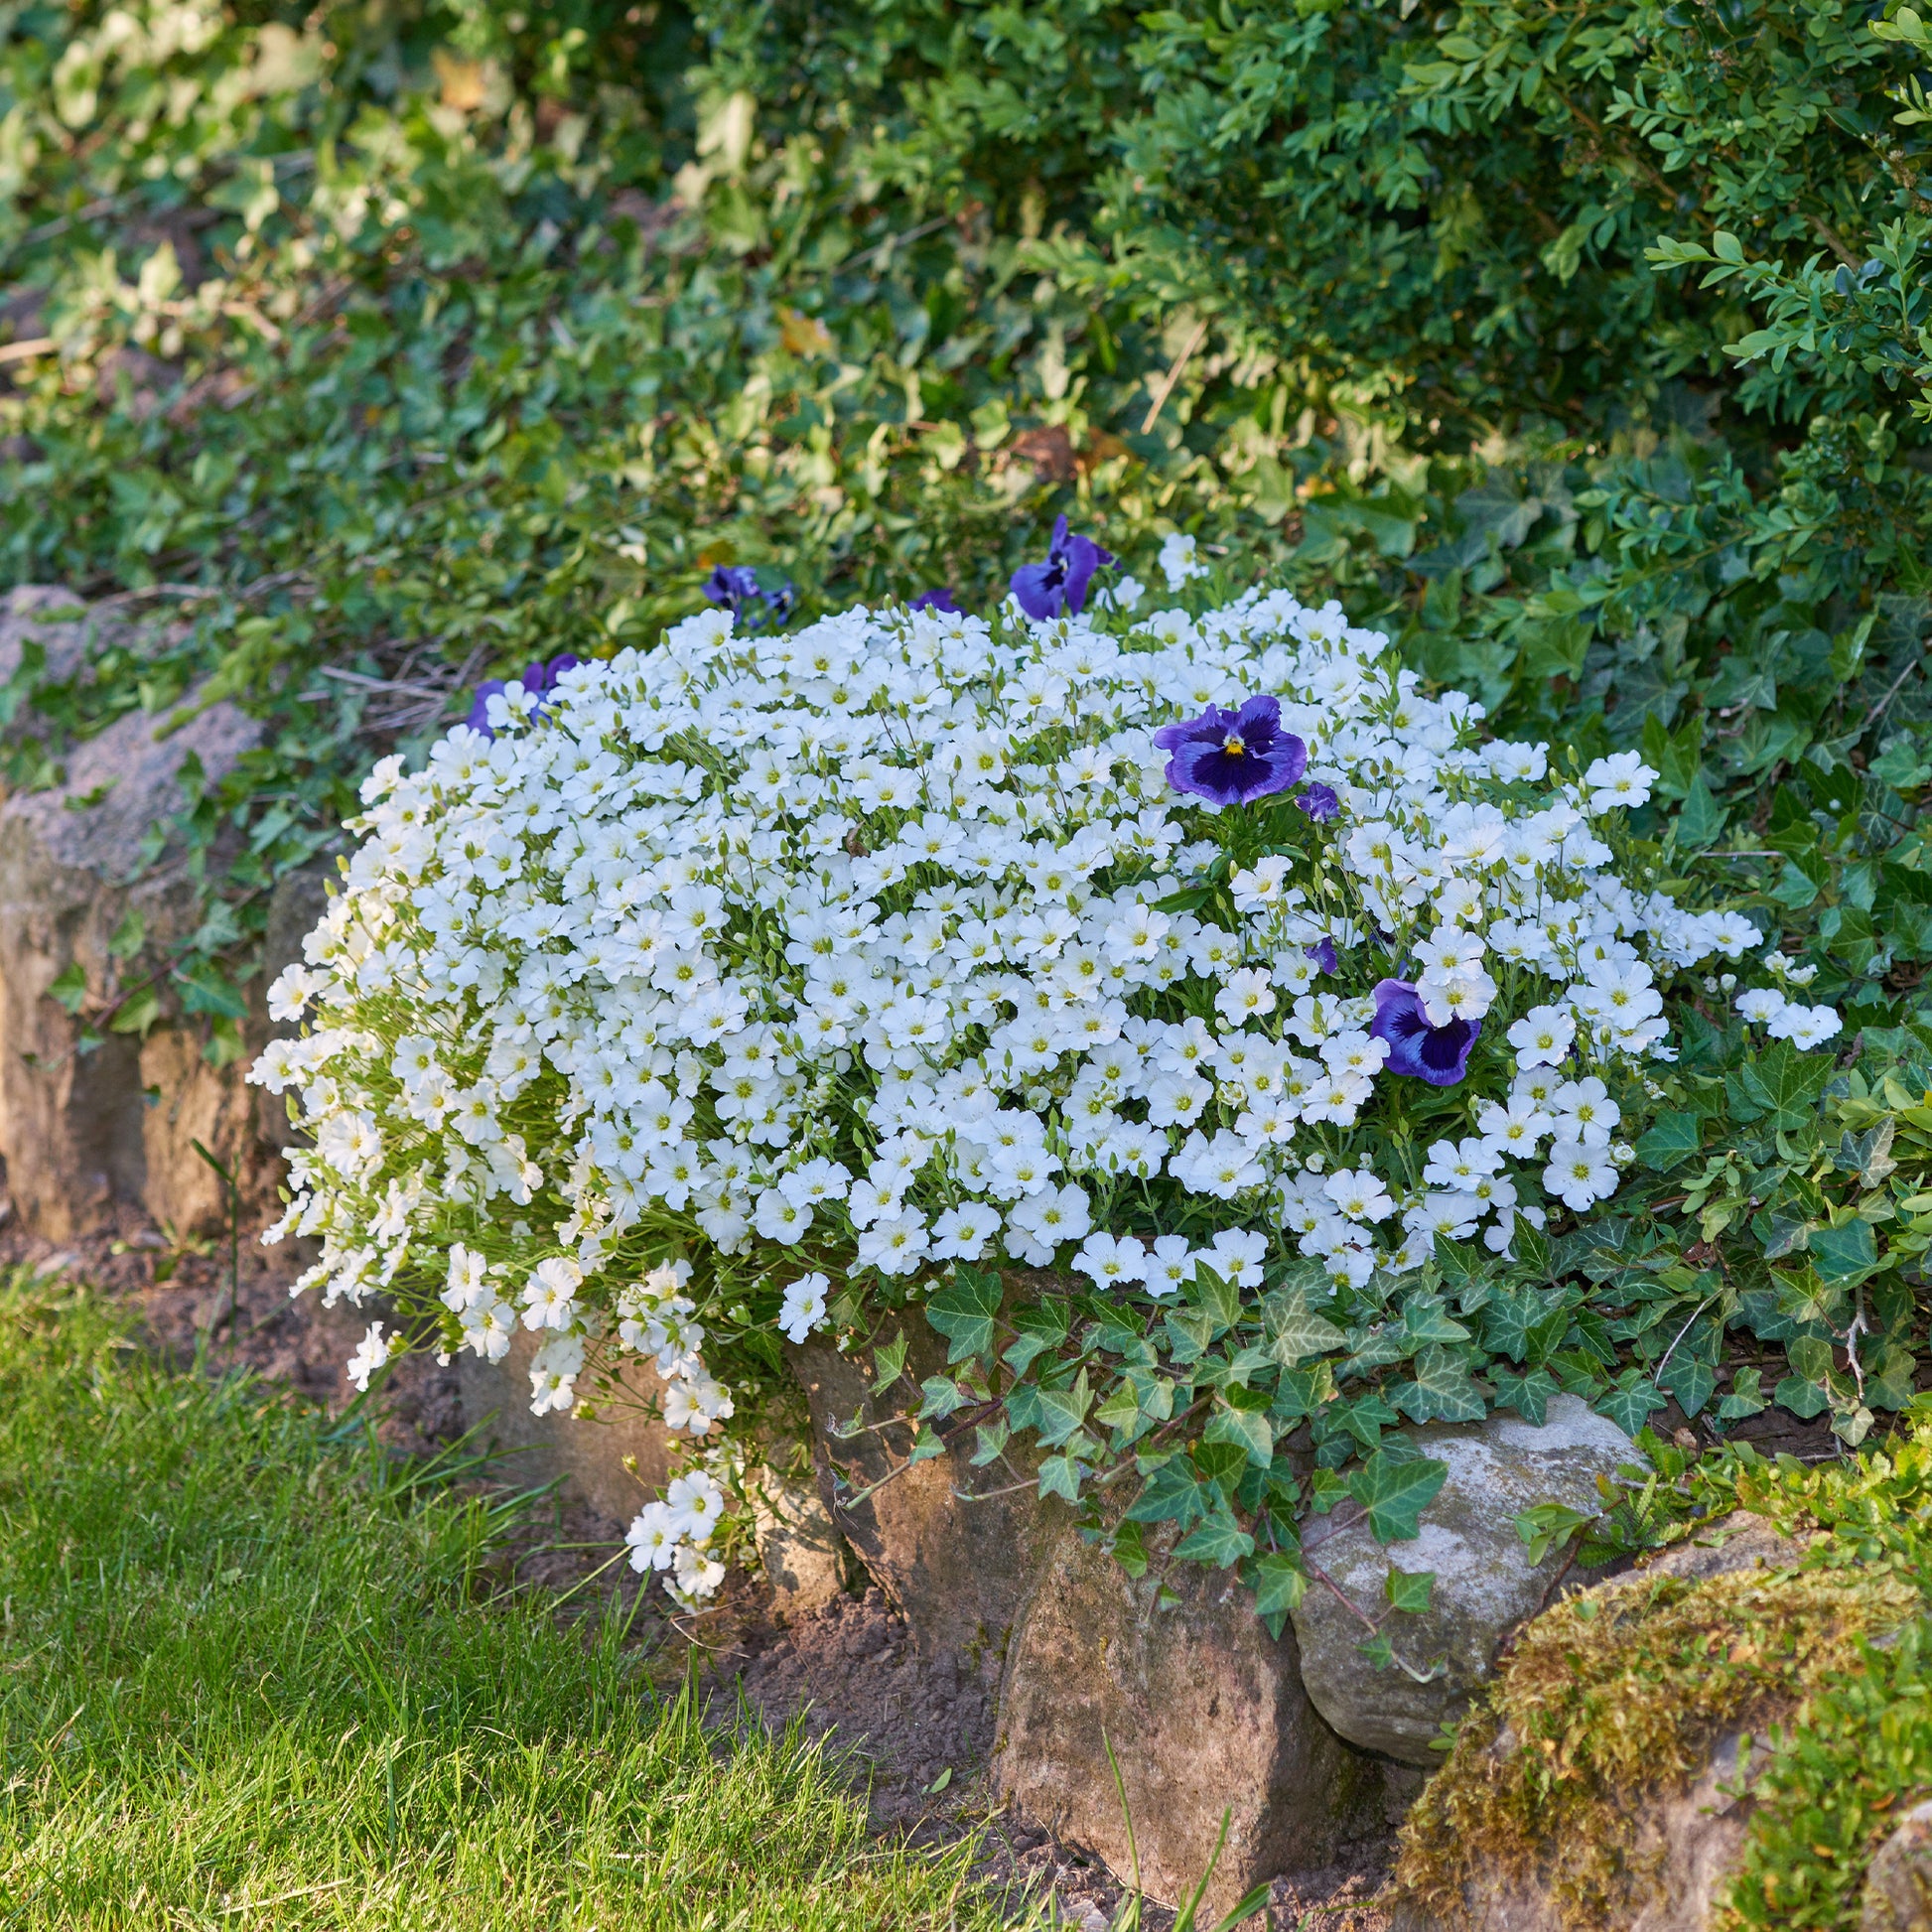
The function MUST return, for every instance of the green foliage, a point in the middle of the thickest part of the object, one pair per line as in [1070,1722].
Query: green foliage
[253,1663]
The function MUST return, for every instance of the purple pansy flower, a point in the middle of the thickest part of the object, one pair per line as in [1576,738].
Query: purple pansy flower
[1061,583]
[940,600]
[537,679]
[1438,1055]
[1320,802]
[1322,952]
[737,586]
[1232,757]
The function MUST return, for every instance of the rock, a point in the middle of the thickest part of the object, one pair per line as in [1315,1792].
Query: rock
[1485,1583]
[1688,1843]
[1898,1882]
[1204,1712]
[1737,1541]
[78,1134]
[804,1556]
[958,1568]
[584,1454]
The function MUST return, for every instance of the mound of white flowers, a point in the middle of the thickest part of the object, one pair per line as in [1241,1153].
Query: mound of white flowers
[731,972]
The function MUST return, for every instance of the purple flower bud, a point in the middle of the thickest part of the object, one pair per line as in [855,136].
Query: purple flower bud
[537,679]
[1320,802]
[1059,583]
[1322,952]
[1438,1055]
[1232,757]
[737,586]
[939,600]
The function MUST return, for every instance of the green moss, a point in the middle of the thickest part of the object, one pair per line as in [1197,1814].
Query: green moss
[1608,1697]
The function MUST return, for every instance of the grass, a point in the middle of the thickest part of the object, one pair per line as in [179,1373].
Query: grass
[249,1681]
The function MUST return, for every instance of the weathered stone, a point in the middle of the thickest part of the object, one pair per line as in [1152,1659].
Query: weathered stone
[1687,1843]
[958,1568]
[1485,1583]
[587,1454]
[800,1552]
[74,1126]
[1898,1882]
[1737,1541]
[1205,1713]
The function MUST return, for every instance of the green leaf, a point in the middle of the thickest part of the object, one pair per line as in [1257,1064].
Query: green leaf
[1631,1403]
[1529,1395]
[1424,1318]
[1700,817]
[888,1363]
[1672,1139]
[1279,1583]
[1130,1549]
[1062,1411]
[137,1012]
[1219,1299]
[1442,1390]
[1119,1410]
[992,1437]
[1294,1332]
[206,990]
[964,1313]
[1244,1430]
[70,988]
[943,1397]
[1747,1397]
[1219,1541]
[925,1445]
[1691,1379]
[1393,1494]
[1845,1253]
[1543,1526]
[1059,1476]
[1170,1494]
[1409,1590]
[1782,1086]
[128,936]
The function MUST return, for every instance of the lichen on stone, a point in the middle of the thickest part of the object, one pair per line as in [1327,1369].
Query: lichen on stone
[1615,1696]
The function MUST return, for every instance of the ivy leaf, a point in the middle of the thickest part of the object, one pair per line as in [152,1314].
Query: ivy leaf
[1170,1494]
[1424,1320]
[206,990]
[1294,1332]
[1691,1379]
[1782,1086]
[1220,1300]
[1408,1590]
[1868,1155]
[1747,1397]
[964,1313]
[1059,1476]
[888,1363]
[1531,1247]
[1442,1390]
[1062,1411]
[1219,1541]
[70,988]
[1631,1403]
[1529,1395]
[1462,1265]
[1393,1493]
[1244,1430]
[1130,1549]
[1673,1139]
[1120,1410]
[992,1438]
[1700,819]
[925,1445]
[128,936]
[1279,1583]
[1843,1254]
[943,1397]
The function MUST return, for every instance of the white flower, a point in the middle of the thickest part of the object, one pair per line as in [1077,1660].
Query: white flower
[803,1309]
[1543,1036]
[1236,1255]
[1581,1174]
[1805,1025]
[962,1233]
[370,1353]
[1359,1194]
[1172,1265]
[1622,780]
[694,1503]
[1761,1004]
[652,1538]
[1585,1111]
[1110,1261]
[1177,560]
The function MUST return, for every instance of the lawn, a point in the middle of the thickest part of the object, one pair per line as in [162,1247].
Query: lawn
[254,1676]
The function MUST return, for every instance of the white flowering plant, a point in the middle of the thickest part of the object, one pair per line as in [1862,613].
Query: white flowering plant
[1231,1053]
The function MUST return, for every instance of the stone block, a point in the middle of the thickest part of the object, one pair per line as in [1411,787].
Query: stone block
[1205,1713]
[1898,1883]
[584,1454]
[75,1131]
[958,1568]
[1485,1583]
